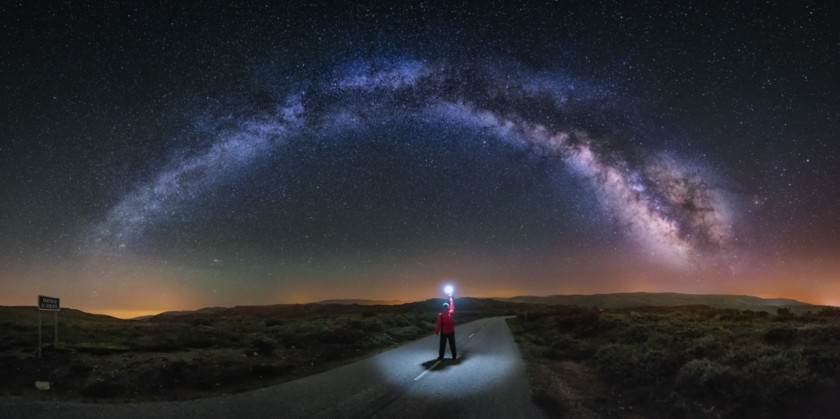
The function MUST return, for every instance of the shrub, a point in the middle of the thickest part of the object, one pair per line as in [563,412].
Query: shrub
[202,322]
[702,377]
[154,344]
[372,325]
[263,345]
[341,335]
[582,321]
[825,362]
[776,376]
[780,334]
[565,348]
[197,340]
[397,321]
[829,312]
[635,334]
[633,365]
[708,346]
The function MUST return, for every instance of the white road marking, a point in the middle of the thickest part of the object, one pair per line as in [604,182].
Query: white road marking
[427,371]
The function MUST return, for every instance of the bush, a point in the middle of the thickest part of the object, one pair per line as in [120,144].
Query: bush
[397,321]
[633,365]
[708,346]
[569,349]
[197,340]
[829,312]
[580,321]
[263,345]
[635,334]
[825,362]
[154,344]
[202,322]
[341,335]
[703,377]
[780,334]
[372,325]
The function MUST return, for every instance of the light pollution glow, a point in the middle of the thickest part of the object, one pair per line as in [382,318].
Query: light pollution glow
[142,292]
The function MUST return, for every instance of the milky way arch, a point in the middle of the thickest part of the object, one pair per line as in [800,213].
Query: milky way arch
[675,212]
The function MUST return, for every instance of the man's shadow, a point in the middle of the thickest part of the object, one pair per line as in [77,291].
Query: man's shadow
[444,363]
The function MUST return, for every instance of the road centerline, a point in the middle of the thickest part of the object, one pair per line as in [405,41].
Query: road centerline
[427,371]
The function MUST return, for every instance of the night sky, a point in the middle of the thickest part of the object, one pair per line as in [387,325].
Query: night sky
[156,156]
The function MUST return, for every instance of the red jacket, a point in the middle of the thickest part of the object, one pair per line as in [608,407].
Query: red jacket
[444,320]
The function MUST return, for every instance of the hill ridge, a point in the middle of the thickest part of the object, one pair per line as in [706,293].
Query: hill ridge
[662,299]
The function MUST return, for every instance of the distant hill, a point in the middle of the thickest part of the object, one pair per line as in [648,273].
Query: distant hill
[363,302]
[665,299]
[172,315]
[205,310]
[28,315]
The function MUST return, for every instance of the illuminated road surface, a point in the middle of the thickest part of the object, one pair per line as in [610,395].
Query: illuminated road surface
[488,381]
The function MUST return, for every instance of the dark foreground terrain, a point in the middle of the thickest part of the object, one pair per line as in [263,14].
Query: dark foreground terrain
[210,352]
[682,361]
[688,361]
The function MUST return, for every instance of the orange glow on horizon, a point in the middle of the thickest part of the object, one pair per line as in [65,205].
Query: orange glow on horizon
[309,297]
[124,314]
[139,289]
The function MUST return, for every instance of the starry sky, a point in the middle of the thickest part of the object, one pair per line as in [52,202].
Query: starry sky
[161,156]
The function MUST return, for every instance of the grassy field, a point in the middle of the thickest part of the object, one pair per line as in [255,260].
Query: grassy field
[183,356]
[682,361]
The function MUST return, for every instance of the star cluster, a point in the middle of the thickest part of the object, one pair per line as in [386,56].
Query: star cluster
[256,153]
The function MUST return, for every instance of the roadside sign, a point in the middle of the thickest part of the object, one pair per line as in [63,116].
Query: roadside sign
[48,303]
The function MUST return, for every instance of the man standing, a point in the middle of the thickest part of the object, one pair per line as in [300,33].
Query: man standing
[447,326]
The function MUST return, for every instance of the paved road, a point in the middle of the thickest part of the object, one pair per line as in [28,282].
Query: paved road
[488,381]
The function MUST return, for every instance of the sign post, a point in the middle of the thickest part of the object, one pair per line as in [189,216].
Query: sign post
[48,304]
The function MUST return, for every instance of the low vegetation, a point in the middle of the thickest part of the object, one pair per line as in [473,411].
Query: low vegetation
[682,361]
[188,355]
[690,361]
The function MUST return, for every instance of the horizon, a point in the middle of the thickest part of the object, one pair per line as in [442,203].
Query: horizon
[137,313]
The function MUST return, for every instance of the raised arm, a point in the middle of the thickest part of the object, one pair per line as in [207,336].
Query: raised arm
[451,305]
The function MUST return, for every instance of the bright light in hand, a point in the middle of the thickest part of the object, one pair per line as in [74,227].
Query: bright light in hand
[448,289]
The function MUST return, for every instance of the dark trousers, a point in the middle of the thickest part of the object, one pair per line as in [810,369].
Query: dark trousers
[443,339]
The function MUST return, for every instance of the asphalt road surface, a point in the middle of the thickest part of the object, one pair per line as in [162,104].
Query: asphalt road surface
[487,381]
